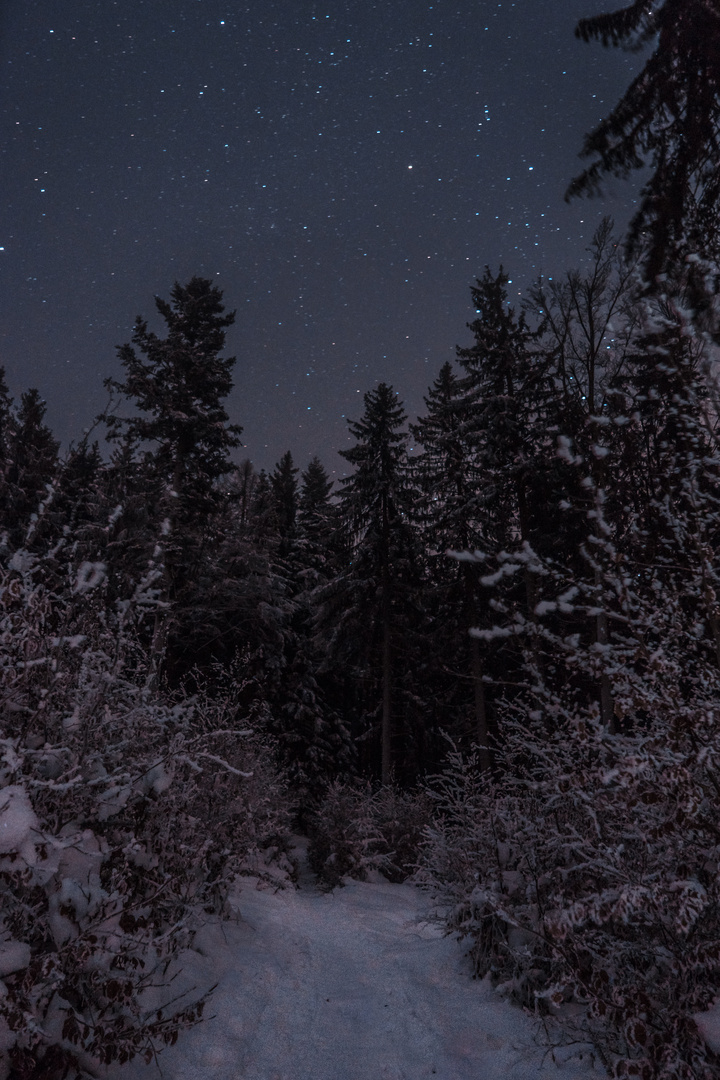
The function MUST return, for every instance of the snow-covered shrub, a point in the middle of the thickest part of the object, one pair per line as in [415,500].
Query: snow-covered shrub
[123,816]
[344,838]
[589,885]
[80,946]
[358,829]
[586,872]
[401,817]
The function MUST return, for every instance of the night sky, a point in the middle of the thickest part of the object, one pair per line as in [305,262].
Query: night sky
[342,170]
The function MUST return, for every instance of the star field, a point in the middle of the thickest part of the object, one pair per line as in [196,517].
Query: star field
[343,171]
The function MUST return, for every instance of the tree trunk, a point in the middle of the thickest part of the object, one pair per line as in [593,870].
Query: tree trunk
[158,646]
[530,579]
[476,672]
[386,727]
[386,766]
[157,649]
[481,726]
[607,703]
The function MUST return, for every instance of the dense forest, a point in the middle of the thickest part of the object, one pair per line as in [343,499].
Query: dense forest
[493,663]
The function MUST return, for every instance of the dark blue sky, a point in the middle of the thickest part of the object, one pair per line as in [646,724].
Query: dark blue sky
[342,170]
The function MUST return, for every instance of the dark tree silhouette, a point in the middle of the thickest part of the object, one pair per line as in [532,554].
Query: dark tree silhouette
[284,486]
[33,460]
[178,384]
[180,434]
[451,514]
[669,118]
[370,587]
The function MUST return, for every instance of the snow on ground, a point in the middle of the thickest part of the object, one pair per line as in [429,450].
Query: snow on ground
[357,984]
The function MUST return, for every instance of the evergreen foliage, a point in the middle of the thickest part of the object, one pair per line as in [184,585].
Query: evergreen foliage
[178,384]
[31,463]
[317,520]
[361,832]
[284,485]
[315,491]
[668,118]
[368,607]
[450,512]
[178,445]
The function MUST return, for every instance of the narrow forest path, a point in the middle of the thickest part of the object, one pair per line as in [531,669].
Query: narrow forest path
[350,985]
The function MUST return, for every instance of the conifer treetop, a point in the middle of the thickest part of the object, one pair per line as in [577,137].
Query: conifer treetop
[178,383]
[379,453]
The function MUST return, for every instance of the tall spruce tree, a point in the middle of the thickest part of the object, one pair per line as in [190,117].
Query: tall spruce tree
[317,522]
[450,515]
[178,384]
[503,392]
[180,434]
[365,605]
[315,491]
[284,486]
[79,510]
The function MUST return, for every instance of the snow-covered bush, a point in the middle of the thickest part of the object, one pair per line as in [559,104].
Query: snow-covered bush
[587,871]
[80,945]
[358,829]
[123,817]
[589,884]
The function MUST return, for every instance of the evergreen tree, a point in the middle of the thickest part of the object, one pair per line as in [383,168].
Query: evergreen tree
[259,605]
[450,513]
[262,517]
[76,514]
[315,489]
[181,437]
[7,426]
[369,599]
[503,393]
[674,531]
[302,714]
[78,480]
[32,464]
[178,384]
[241,485]
[450,500]
[284,485]
[506,391]
[317,522]
[669,117]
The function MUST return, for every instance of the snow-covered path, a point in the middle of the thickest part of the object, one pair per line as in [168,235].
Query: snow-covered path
[352,985]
